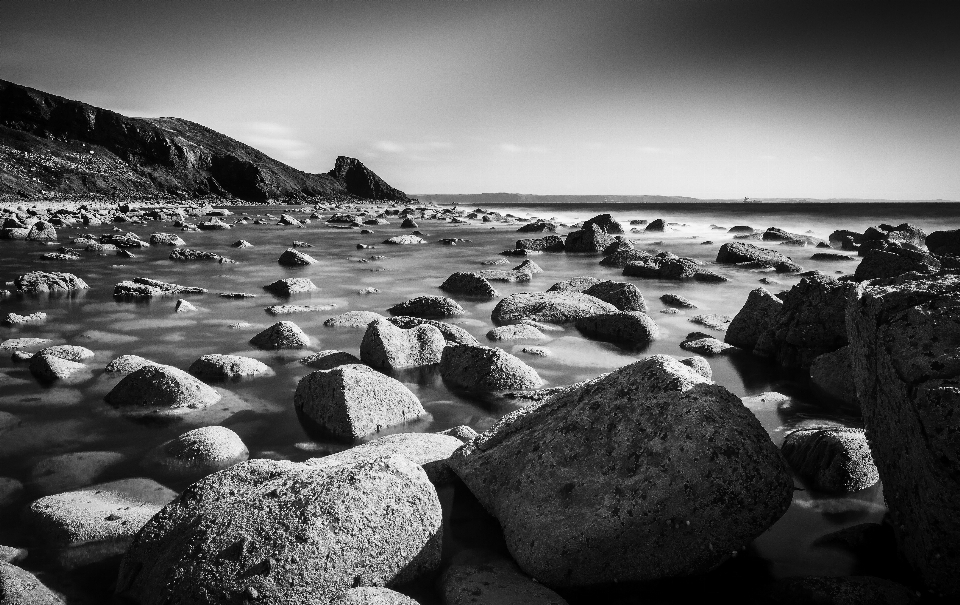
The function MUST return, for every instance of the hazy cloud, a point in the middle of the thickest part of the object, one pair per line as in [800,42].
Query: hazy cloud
[275,139]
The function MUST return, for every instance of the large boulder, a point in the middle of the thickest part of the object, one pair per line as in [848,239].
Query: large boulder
[832,375]
[645,473]
[892,260]
[591,239]
[430,307]
[281,335]
[295,258]
[278,532]
[740,252]
[386,347]
[37,282]
[480,368]
[42,231]
[49,368]
[622,295]
[450,332]
[903,335]
[352,401]
[20,587]
[630,327]
[811,323]
[550,307]
[944,242]
[757,315]
[196,454]
[429,450]
[670,266]
[605,223]
[161,387]
[550,243]
[832,459]
[228,367]
[468,284]
[477,577]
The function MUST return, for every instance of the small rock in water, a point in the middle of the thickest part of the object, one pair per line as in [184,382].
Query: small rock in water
[196,454]
[162,387]
[185,306]
[126,364]
[480,368]
[430,307]
[295,258]
[241,243]
[387,347]
[281,335]
[228,367]
[13,319]
[713,321]
[629,327]
[516,332]
[291,285]
[403,240]
[327,360]
[291,309]
[352,319]
[675,300]
[831,459]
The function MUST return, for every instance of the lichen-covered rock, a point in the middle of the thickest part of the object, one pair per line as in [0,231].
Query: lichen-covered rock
[892,260]
[516,332]
[161,387]
[811,323]
[352,319]
[291,285]
[477,577]
[550,307]
[649,460]
[281,335]
[295,258]
[228,367]
[832,374]
[450,332]
[590,239]
[903,335]
[629,327]
[352,401]
[386,347]
[196,454]
[429,307]
[740,252]
[38,282]
[20,587]
[429,450]
[480,368]
[758,314]
[469,284]
[288,533]
[622,295]
[831,458]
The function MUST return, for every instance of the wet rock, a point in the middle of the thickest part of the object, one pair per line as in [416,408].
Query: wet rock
[429,307]
[290,286]
[142,287]
[213,224]
[832,374]
[387,347]
[892,260]
[228,367]
[620,258]
[480,368]
[590,239]
[774,234]
[901,234]
[550,243]
[622,295]
[451,333]
[658,225]
[575,485]
[629,327]
[161,387]
[713,321]
[464,433]
[241,243]
[528,266]
[11,491]
[741,229]
[352,319]
[469,284]
[66,472]
[281,335]
[327,360]
[516,332]
[38,282]
[576,284]
[670,266]
[405,240]
[263,523]
[166,239]
[550,307]
[709,346]
[20,587]
[125,364]
[537,227]
[944,242]
[840,590]
[605,223]
[49,368]
[189,254]
[295,258]
[292,309]
[196,454]
[739,252]
[42,231]
[370,595]
[352,401]
[409,223]
[675,300]
[429,450]
[13,319]
[477,577]
[903,335]
[831,257]
[831,459]
[759,313]
[289,220]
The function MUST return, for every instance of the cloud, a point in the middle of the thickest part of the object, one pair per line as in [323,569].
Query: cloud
[393,147]
[273,138]
[514,148]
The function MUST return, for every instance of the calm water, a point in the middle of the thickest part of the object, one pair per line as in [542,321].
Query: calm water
[73,417]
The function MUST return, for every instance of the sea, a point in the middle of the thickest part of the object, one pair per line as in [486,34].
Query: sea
[71,416]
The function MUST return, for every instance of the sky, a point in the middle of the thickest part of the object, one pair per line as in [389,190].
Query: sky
[705,98]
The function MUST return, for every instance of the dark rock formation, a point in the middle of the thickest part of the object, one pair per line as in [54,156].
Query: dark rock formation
[605,223]
[591,239]
[468,284]
[891,260]
[944,242]
[831,459]
[480,368]
[758,314]
[629,327]
[429,307]
[550,243]
[832,374]
[739,252]
[622,295]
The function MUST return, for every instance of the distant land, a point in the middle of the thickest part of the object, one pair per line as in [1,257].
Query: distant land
[50,144]
[526,199]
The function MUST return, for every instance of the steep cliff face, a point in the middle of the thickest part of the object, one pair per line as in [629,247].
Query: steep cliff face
[49,143]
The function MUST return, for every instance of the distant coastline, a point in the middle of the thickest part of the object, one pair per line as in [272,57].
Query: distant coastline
[524,199]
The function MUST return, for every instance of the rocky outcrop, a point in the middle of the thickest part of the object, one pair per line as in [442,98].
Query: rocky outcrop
[550,307]
[480,368]
[352,401]
[287,533]
[739,252]
[629,327]
[428,307]
[758,314]
[388,348]
[903,335]
[196,454]
[645,473]
[892,260]
[362,182]
[830,458]
[591,239]
[469,284]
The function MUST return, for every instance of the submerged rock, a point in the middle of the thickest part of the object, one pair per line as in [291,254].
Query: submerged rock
[290,532]
[648,460]
[387,347]
[480,368]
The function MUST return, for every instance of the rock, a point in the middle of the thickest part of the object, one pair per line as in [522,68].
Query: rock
[699,365]
[830,458]
[622,295]
[538,227]
[404,240]
[295,258]
[905,366]
[477,577]
[241,243]
[49,368]
[675,300]
[469,284]
[657,225]
[670,266]
[944,242]
[291,309]
[892,260]
[142,287]
[831,257]
[741,229]
[196,454]
[213,224]
[352,319]
[575,484]
[409,223]
[629,327]
[505,276]
[550,243]
[126,364]
[516,332]
[811,323]
[464,433]
[291,285]
[430,307]
[550,307]
[902,234]
[291,532]
[840,590]
[450,332]
[162,387]
[590,239]
[758,314]
[620,258]
[327,360]
[832,374]
[13,344]
[65,472]
[189,254]
[387,347]
[13,319]
[228,367]
[576,284]
[69,352]
[10,554]
[705,346]
[774,234]
[605,223]
[166,239]
[352,401]
[371,595]
[281,335]
[289,220]
[11,491]
[739,252]
[480,368]
[42,231]
[528,266]
[429,450]
[713,321]
[20,587]
[38,282]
